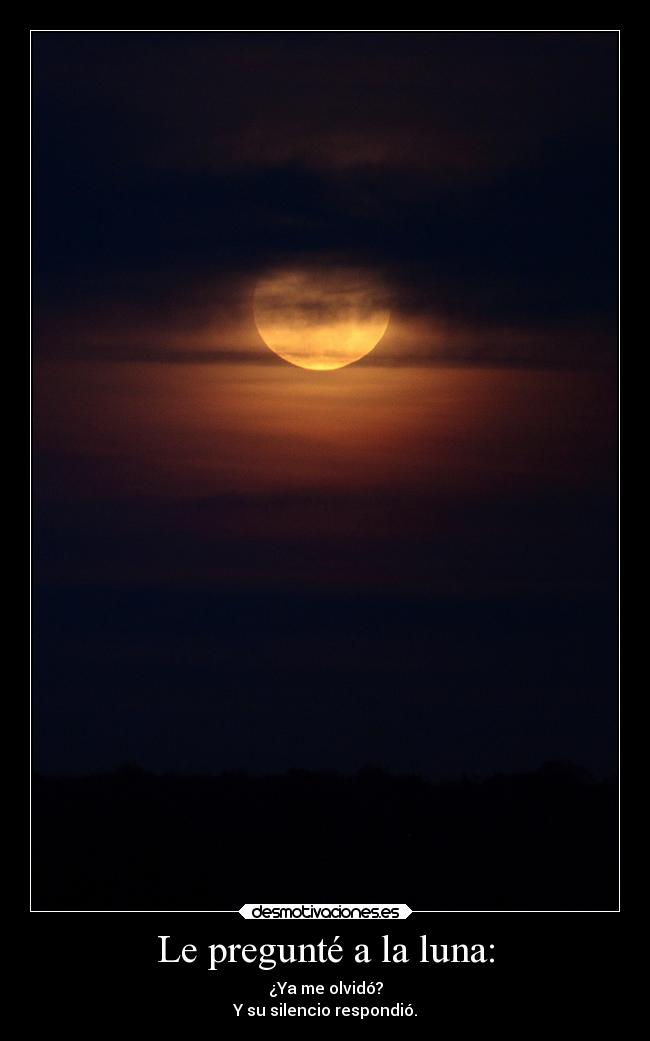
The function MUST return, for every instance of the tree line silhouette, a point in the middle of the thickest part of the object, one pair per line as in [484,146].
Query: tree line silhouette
[132,840]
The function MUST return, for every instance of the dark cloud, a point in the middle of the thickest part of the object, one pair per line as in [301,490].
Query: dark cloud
[478,173]
[453,103]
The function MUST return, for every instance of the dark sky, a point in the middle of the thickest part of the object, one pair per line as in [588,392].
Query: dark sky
[408,562]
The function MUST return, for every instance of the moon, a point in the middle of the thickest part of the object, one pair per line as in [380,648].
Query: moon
[320,318]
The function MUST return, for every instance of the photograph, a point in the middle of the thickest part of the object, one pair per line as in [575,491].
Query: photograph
[324,471]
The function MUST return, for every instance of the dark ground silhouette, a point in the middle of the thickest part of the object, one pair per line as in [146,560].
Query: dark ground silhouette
[130,840]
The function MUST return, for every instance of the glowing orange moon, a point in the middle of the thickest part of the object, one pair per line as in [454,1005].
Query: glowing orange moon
[320,319]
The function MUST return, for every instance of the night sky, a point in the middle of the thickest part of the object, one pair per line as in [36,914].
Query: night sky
[409,562]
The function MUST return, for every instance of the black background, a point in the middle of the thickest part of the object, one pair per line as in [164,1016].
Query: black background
[549,970]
